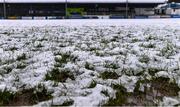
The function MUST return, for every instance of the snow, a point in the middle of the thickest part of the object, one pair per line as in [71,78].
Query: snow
[99,22]
[1,51]
[128,82]
[167,101]
[162,74]
[126,47]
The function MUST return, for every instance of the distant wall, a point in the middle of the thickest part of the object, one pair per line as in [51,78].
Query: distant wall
[38,9]
[173,11]
[16,10]
[144,11]
[1,11]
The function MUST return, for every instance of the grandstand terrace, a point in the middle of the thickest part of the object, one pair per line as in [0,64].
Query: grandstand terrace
[67,8]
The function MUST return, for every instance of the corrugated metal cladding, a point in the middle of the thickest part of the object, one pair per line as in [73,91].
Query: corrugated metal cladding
[177,1]
[77,8]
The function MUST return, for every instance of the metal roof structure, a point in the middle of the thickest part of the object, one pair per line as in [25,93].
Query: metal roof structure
[83,1]
[177,1]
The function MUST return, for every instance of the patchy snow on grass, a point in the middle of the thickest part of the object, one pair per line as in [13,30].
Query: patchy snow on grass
[90,62]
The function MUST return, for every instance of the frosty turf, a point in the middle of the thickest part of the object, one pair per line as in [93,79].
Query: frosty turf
[59,75]
[133,54]
[154,89]
[13,48]
[105,92]
[120,98]
[111,65]
[92,84]
[21,57]
[109,75]
[153,71]
[165,86]
[89,66]
[150,45]
[159,87]
[67,103]
[7,33]
[39,45]
[144,59]
[168,50]
[21,65]
[63,58]
[5,97]
[26,97]
[6,70]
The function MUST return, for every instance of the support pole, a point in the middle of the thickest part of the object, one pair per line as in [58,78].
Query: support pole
[4,8]
[126,8]
[66,14]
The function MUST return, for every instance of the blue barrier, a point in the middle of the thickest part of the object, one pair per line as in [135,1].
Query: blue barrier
[154,17]
[20,17]
[27,17]
[59,17]
[86,17]
[76,17]
[166,16]
[117,17]
[175,16]
[83,17]
[90,17]
[94,17]
[140,17]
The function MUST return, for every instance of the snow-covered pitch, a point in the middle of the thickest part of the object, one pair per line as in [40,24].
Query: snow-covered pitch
[87,62]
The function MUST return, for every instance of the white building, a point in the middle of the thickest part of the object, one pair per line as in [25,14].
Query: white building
[169,9]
